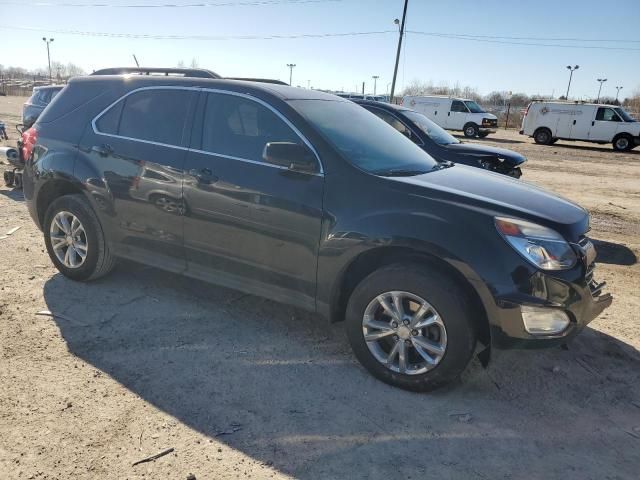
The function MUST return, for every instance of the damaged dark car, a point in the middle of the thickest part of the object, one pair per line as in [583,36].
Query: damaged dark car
[443,146]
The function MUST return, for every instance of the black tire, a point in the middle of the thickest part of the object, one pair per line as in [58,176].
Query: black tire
[449,300]
[623,143]
[8,178]
[553,140]
[98,261]
[470,130]
[483,134]
[543,136]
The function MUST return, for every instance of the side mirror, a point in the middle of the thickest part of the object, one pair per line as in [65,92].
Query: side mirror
[293,156]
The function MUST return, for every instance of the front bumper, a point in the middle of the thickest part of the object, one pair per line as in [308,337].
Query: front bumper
[576,293]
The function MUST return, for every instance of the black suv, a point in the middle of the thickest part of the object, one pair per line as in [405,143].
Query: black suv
[443,146]
[308,199]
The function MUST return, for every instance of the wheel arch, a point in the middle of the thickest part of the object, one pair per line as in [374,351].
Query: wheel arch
[52,190]
[371,260]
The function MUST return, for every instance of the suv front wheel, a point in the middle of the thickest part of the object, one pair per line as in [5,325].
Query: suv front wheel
[411,327]
[74,239]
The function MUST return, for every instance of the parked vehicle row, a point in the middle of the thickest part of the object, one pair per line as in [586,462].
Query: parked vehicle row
[548,122]
[308,199]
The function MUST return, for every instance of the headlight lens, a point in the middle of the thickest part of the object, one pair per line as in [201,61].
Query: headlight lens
[543,247]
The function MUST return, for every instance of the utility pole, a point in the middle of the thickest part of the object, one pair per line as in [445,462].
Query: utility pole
[601,80]
[570,76]
[375,83]
[618,93]
[362,88]
[395,69]
[290,65]
[44,39]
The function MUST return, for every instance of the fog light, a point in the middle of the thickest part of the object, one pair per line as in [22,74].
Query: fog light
[544,321]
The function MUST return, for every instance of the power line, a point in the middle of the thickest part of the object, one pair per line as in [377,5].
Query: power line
[487,40]
[167,5]
[542,39]
[196,37]
[453,36]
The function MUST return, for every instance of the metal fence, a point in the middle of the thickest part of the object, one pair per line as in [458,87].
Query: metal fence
[21,87]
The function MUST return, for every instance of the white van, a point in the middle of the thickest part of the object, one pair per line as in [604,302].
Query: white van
[454,114]
[548,122]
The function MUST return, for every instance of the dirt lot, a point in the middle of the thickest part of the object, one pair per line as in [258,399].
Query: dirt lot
[241,387]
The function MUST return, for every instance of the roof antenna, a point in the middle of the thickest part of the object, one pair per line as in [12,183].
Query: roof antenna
[136,60]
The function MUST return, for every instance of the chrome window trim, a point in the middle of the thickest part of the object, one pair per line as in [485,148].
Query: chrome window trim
[209,90]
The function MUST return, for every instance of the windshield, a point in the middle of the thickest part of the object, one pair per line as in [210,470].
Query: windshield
[433,131]
[625,115]
[473,107]
[365,140]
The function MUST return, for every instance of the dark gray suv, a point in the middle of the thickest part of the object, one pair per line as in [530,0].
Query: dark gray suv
[311,200]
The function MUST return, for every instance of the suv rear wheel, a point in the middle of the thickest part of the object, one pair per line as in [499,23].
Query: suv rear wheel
[411,327]
[74,239]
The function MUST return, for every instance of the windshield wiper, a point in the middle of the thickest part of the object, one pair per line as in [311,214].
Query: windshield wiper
[398,172]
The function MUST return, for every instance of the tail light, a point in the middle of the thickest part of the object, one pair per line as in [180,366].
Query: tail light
[29,139]
[526,110]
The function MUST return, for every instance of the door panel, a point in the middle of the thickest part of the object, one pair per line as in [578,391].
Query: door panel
[566,115]
[605,125]
[250,225]
[139,149]
[457,116]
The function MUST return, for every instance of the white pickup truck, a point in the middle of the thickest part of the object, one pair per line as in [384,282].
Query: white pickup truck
[548,122]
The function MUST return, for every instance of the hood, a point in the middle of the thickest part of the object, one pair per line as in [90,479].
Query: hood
[495,194]
[509,156]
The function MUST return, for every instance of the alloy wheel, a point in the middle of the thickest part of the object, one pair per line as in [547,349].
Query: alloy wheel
[404,332]
[68,239]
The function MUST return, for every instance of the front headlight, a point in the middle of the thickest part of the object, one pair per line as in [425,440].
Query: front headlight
[543,247]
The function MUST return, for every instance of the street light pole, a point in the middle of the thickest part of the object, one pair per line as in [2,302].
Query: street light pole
[290,65]
[571,69]
[44,39]
[618,93]
[375,83]
[395,70]
[601,80]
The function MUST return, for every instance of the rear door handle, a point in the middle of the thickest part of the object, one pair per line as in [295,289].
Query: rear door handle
[102,150]
[574,122]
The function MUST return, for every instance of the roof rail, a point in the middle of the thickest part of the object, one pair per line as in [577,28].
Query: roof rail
[185,72]
[261,80]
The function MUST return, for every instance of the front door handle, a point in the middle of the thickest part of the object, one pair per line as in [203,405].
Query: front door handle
[593,123]
[574,122]
[449,114]
[102,150]
[204,175]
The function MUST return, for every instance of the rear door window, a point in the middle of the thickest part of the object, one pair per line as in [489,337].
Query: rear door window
[151,115]
[394,122]
[240,127]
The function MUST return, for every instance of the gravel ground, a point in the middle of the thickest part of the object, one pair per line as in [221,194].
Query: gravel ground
[240,387]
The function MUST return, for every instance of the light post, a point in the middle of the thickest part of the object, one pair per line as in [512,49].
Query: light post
[571,69]
[375,83]
[395,70]
[601,80]
[618,93]
[44,39]
[290,65]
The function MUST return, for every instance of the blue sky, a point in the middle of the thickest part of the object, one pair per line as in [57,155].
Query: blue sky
[344,62]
